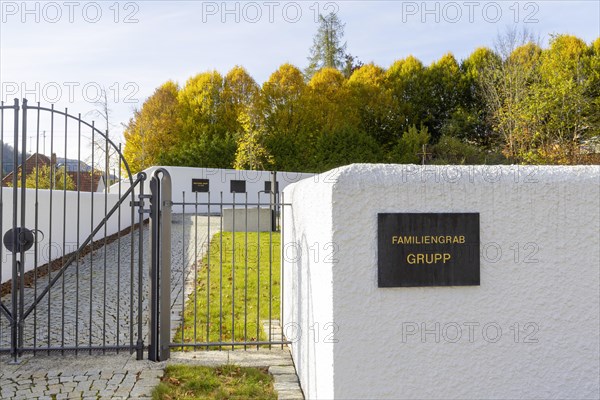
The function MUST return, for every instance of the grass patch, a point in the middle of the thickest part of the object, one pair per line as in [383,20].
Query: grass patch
[246,288]
[183,382]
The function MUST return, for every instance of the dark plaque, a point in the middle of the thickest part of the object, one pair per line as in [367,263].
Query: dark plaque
[428,249]
[237,186]
[268,186]
[200,185]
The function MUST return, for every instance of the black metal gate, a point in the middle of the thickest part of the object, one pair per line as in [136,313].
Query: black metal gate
[72,277]
[216,273]
[230,293]
[71,216]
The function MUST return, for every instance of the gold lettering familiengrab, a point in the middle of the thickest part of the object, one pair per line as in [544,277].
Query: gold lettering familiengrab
[442,239]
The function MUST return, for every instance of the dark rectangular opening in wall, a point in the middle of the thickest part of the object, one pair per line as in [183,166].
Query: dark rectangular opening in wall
[237,186]
[268,186]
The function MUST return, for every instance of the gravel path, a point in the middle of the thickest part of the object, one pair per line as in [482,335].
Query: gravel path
[90,303]
[91,290]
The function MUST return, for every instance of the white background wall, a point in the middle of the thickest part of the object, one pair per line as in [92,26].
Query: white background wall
[550,214]
[182,182]
[53,229]
[220,182]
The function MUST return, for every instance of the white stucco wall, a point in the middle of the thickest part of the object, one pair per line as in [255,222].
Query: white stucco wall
[220,182]
[53,229]
[402,342]
[307,297]
[181,179]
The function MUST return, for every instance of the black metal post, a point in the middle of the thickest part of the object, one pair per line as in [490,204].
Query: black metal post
[141,211]
[273,201]
[160,267]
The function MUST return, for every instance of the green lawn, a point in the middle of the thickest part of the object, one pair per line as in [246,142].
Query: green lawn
[254,271]
[184,382]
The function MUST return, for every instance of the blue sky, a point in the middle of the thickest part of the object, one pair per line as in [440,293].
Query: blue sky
[63,52]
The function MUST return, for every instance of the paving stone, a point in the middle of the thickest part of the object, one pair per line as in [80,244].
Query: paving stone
[286,378]
[285,386]
[119,375]
[23,392]
[151,373]
[290,395]
[278,370]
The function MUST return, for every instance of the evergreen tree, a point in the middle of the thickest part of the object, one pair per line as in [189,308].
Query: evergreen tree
[328,49]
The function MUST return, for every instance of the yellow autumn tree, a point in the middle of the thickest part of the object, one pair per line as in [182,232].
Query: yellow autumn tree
[154,129]
[251,154]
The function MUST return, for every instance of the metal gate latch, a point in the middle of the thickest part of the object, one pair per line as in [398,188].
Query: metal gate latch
[18,239]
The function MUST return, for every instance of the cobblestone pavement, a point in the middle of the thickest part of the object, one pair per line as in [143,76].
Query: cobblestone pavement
[79,377]
[90,306]
[121,376]
[90,303]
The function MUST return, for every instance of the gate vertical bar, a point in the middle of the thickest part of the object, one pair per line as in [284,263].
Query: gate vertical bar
[14,294]
[64,233]
[160,268]
[23,208]
[140,341]
[36,219]
[1,192]
[281,264]
[273,195]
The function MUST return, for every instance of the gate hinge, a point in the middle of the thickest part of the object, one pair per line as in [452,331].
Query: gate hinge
[140,204]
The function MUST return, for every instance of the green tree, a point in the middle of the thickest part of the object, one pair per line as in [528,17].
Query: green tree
[446,93]
[452,150]
[406,79]
[351,64]
[472,122]
[593,82]
[327,49]
[373,105]
[410,145]
[251,154]
[342,146]
[563,109]
[47,178]
[506,87]
[283,115]
[206,151]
